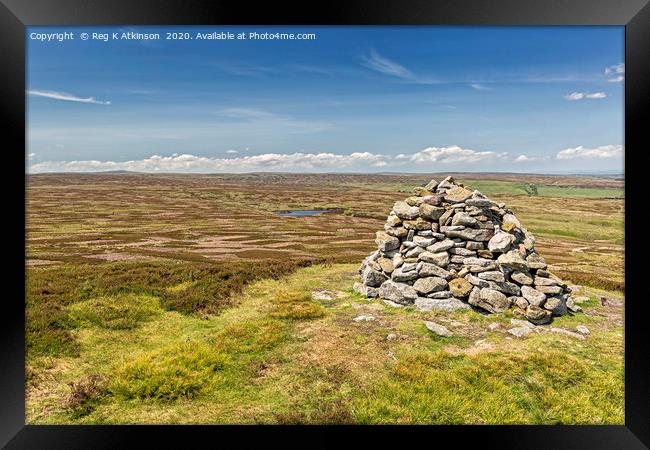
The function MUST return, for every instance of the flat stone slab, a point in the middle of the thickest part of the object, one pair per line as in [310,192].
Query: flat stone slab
[438,329]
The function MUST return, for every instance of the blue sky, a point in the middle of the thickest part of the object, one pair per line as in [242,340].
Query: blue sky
[359,99]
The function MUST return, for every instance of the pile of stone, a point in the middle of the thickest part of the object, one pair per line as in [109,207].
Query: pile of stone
[449,247]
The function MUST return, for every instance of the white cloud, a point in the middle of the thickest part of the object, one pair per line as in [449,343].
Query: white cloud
[480,87]
[582,95]
[232,152]
[618,70]
[31,156]
[525,158]
[67,97]
[455,154]
[604,151]
[192,163]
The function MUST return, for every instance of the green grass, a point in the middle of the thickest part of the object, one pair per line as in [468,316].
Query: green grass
[119,312]
[538,385]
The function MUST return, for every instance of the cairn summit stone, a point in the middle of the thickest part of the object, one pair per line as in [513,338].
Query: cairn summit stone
[448,246]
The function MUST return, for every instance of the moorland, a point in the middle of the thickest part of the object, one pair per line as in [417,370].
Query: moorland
[156,298]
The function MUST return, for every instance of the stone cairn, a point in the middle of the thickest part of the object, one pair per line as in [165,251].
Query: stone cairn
[448,247]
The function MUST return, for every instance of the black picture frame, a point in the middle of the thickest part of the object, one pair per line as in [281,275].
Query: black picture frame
[15,15]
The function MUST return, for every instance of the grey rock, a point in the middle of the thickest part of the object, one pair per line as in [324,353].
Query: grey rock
[445,216]
[536,262]
[520,302]
[438,329]
[567,333]
[542,281]
[471,245]
[550,290]
[556,305]
[492,275]
[440,294]
[493,301]
[457,194]
[364,318]
[431,185]
[500,242]
[440,259]
[462,251]
[441,246]
[431,212]
[400,275]
[368,291]
[522,323]
[583,329]
[408,267]
[391,337]
[464,219]
[405,211]
[414,252]
[521,277]
[372,277]
[571,305]
[537,315]
[471,234]
[479,202]
[476,281]
[505,287]
[533,296]
[430,284]
[397,292]
[423,241]
[444,304]
[432,270]
[386,242]
[520,331]
[513,260]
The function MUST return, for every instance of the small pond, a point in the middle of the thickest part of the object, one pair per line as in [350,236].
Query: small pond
[304,212]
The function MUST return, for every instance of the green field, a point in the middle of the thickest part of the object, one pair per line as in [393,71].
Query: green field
[184,299]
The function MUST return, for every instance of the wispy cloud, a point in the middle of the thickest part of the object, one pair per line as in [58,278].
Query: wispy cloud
[381,64]
[480,87]
[530,158]
[585,95]
[604,151]
[67,97]
[617,71]
[232,152]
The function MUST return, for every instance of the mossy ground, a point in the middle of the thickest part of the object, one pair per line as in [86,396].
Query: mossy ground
[280,356]
[159,299]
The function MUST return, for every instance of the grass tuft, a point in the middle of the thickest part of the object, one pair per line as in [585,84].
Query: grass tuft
[120,312]
[295,305]
[183,371]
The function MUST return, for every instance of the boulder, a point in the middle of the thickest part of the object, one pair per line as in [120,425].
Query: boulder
[397,292]
[430,284]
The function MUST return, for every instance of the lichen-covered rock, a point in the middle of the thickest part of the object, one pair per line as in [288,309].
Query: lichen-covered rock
[460,287]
